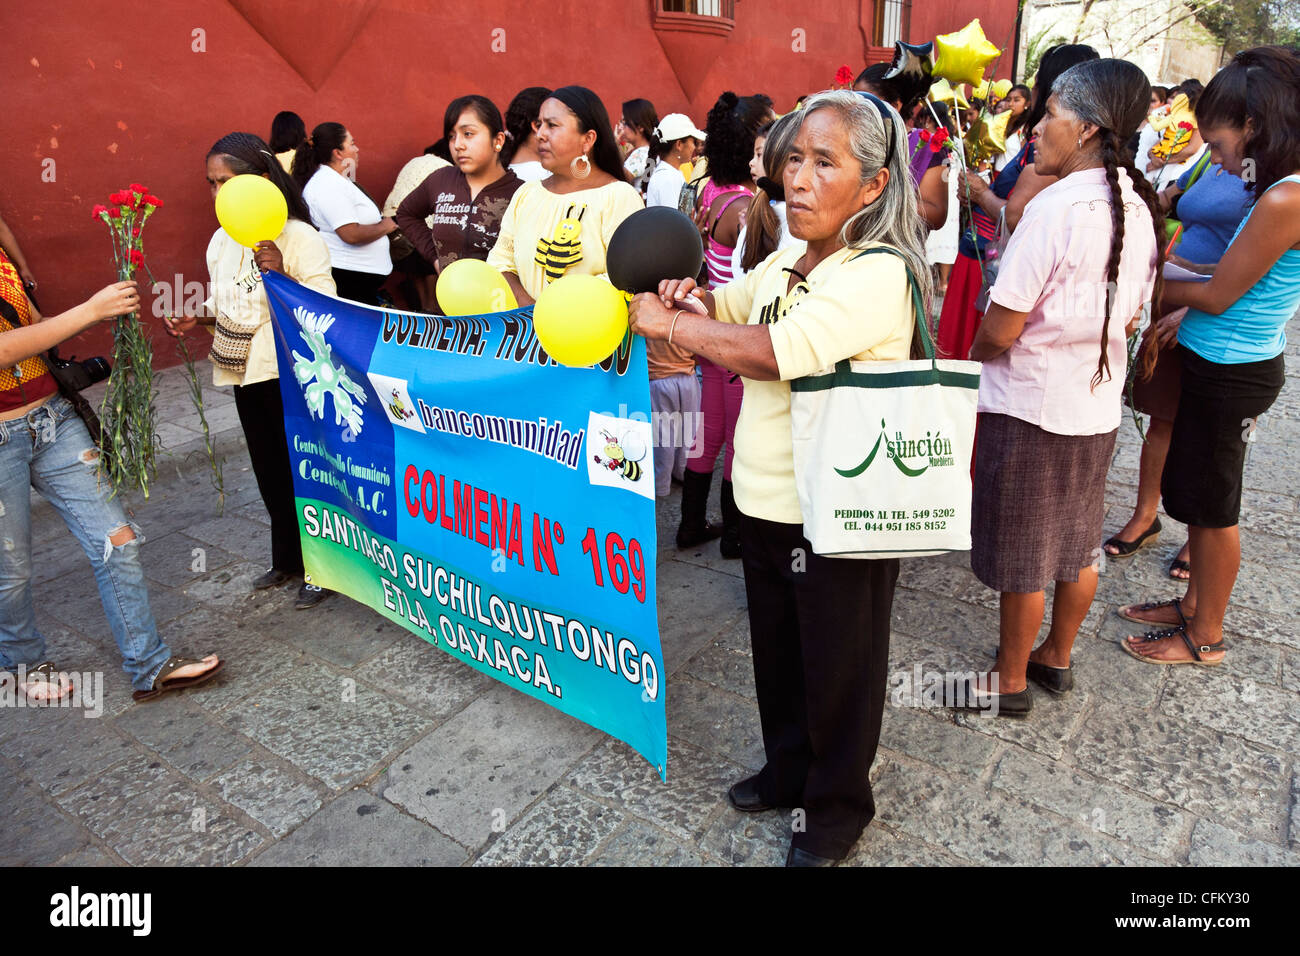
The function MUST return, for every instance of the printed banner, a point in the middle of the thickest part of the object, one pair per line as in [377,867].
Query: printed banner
[453,478]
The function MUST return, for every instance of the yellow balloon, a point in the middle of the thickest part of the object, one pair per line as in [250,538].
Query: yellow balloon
[987,137]
[1001,88]
[472,287]
[251,209]
[961,57]
[944,92]
[580,320]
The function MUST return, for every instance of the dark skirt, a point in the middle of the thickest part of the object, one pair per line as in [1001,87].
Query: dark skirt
[1215,424]
[1037,507]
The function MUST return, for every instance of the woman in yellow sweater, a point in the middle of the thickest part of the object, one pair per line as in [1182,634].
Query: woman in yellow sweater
[561,225]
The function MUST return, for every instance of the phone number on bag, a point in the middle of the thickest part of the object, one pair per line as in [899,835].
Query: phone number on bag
[923,519]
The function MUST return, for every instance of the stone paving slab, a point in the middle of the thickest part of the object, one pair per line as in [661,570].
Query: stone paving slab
[484,766]
[360,829]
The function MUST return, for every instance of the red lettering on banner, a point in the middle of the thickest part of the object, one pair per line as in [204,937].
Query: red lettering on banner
[481,517]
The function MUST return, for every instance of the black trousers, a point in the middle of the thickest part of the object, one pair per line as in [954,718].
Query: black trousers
[820,634]
[360,287]
[261,413]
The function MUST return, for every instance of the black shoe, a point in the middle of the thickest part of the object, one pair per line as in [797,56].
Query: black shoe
[969,697]
[798,857]
[309,595]
[744,796]
[1054,680]
[695,528]
[730,543]
[271,579]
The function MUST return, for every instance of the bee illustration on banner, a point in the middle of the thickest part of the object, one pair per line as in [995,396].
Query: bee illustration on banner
[623,455]
[399,410]
[565,246]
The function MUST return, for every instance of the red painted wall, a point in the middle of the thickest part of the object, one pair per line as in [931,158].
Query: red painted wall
[116,92]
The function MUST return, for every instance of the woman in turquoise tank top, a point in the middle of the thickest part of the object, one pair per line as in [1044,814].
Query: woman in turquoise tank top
[1231,345]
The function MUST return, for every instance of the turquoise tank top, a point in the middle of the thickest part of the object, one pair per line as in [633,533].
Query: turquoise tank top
[1252,329]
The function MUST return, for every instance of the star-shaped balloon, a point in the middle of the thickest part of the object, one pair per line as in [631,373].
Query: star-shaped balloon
[911,68]
[963,55]
[987,137]
[944,92]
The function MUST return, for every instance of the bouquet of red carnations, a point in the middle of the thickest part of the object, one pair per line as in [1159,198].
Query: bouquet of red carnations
[129,435]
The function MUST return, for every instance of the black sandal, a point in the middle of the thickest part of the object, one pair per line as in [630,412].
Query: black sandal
[1126,549]
[1178,564]
[1181,631]
[1127,611]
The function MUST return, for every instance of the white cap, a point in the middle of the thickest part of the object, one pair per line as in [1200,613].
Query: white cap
[676,126]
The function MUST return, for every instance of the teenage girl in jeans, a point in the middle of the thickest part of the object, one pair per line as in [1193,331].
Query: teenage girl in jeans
[728,147]
[44,445]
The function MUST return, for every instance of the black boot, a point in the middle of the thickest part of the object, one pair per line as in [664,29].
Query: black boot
[695,528]
[730,543]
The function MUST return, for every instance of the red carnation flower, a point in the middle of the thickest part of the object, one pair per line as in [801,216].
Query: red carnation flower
[1184,125]
[137,257]
[153,201]
[136,231]
[844,75]
[137,188]
[939,140]
[115,213]
[98,211]
[925,135]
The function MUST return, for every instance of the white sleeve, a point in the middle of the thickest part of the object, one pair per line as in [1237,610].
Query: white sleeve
[331,203]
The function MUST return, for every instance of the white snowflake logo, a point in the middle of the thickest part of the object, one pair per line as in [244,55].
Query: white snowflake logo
[325,377]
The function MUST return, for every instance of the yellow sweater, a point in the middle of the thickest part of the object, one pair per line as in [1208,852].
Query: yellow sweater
[858,309]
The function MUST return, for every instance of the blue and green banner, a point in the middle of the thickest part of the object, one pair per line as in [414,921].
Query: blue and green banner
[452,477]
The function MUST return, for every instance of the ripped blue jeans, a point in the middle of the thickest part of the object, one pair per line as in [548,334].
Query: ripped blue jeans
[51,451]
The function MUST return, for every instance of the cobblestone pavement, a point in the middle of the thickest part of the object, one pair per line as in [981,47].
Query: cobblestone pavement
[433,763]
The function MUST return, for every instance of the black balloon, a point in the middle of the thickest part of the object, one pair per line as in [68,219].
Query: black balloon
[911,69]
[652,245]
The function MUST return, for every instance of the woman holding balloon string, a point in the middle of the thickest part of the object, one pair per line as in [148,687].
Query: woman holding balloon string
[562,225]
[243,345]
[819,625]
[468,200]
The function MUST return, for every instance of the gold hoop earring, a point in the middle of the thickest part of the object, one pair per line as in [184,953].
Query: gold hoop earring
[586,167]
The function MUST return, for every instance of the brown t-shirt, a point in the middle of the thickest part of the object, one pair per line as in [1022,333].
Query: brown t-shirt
[462,228]
[665,360]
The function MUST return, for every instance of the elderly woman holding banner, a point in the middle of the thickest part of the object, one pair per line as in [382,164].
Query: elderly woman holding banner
[819,625]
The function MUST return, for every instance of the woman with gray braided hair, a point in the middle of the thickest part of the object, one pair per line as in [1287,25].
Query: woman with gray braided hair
[1080,266]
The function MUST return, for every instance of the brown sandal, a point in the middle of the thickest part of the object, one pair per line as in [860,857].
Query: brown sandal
[44,673]
[162,684]
[1181,631]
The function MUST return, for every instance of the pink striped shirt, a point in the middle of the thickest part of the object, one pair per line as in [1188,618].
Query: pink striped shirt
[716,255]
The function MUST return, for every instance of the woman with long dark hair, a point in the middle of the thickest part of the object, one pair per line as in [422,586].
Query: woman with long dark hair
[349,221]
[635,130]
[1230,344]
[562,225]
[520,151]
[243,344]
[288,132]
[1017,103]
[1079,270]
[467,200]
[732,125]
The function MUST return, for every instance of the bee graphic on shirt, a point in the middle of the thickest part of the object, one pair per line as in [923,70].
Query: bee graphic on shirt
[623,456]
[564,247]
[399,409]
